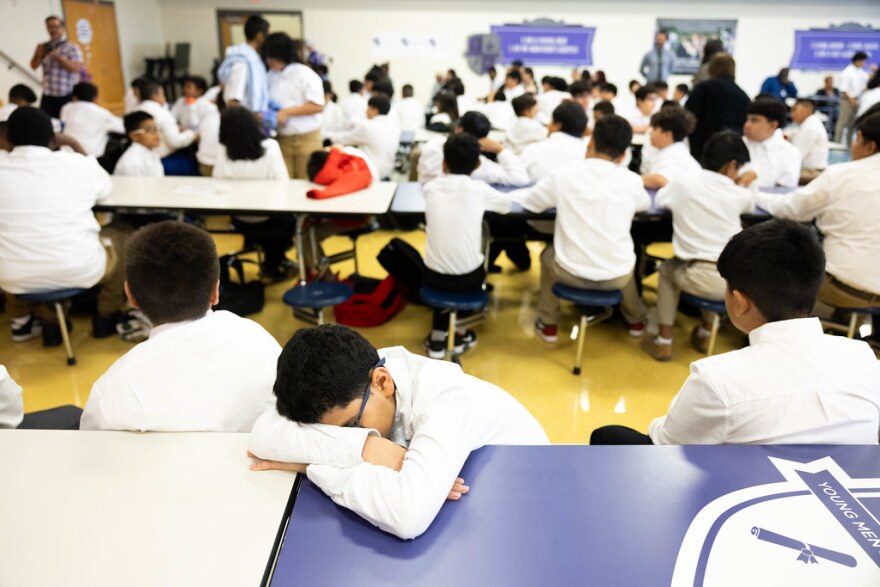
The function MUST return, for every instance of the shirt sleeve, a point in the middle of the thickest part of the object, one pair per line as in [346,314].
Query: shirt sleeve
[172,136]
[314,90]
[102,184]
[666,196]
[113,123]
[495,201]
[696,416]
[277,167]
[539,197]
[112,407]
[11,406]
[234,87]
[801,205]
[508,171]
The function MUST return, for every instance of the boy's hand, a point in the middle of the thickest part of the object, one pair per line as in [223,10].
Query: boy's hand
[458,489]
[281,117]
[263,465]
[490,146]
[381,451]
[747,178]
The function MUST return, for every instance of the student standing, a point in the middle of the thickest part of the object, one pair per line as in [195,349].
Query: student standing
[774,161]
[87,122]
[853,81]
[810,137]
[62,62]
[242,72]
[718,103]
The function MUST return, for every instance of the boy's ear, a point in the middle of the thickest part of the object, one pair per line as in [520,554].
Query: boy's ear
[130,297]
[741,302]
[445,168]
[382,379]
[215,295]
[479,162]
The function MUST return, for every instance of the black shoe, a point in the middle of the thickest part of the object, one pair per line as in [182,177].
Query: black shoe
[104,326]
[32,329]
[468,340]
[494,268]
[436,349]
[52,335]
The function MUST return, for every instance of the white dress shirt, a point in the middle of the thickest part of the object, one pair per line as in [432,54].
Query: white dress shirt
[524,132]
[845,204]
[853,81]
[89,124]
[378,137]
[11,406]
[547,103]
[442,415]
[410,114]
[558,151]
[209,134]
[48,232]
[811,140]
[269,166]
[188,115]
[6,110]
[595,202]
[355,108]
[214,374]
[130,102]
[776,161]
[500,114]
[454,208]
[139,161]
[868,99]
[297,85]
[706,209]
[333,118]
[172,137]
[636,118]
[791,385]
[508,170]
[673,161]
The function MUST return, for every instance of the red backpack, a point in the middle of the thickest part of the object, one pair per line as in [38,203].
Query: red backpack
[374,302]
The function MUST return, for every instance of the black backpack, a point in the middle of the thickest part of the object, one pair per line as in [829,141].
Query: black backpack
[404,263]
[239,297]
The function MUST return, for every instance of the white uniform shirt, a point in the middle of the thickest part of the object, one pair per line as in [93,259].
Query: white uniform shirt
[636,118]
[853,81]
[442,415]
[706,209]
[673,161]
[776,161]
[508,170]
[189,115]
[172,137]
[333,118]
[297,85]
[547,103]
[48,232]
[811,140]
[209,134]
[558,151]
[868,99]
[791,385]
[269,166]
[410,114]
[595,202]
[845,204]
[355,108]
[500,114]
[524,132]
[11,406]
[214,374]
[139,161]
[89,124]
[378,137]
[454,208]
[130,102]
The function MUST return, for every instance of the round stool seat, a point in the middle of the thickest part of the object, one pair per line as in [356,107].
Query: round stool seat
[587,297]
[449,300]
[704,304]
[318,295]
[51,295]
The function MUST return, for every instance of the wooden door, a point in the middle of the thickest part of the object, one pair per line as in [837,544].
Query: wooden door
[230,25]
[92,26]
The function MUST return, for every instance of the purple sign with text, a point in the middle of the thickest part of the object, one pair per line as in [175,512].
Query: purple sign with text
[833,50]
[536,45]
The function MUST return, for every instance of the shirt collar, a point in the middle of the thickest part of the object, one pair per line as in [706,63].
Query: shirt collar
[28,151]
[157,330]
[716,177]
[396,363]
[795,329]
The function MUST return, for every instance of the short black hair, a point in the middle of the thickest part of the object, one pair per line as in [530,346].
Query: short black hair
[571,118]
[770,108]
[22,92]
[254,25]
[407,91]
[634,82]
[579,88]
[355,86]
[676,120]
[198,81]
[608,88]
[516,63]
[778,264]
[558,84]
[282,47]
[475,124]
[807,102]
[328,87]
[461,153]
[859,56]
[316,163]
[383,86]
[133,120]
[722,148]
[683,88]
[514,74]
[381,103]
[604,106]
[524,103]
[29,127]
[241,134]
[149,89]
[612,136]
[322,368]
[643,92]
[659,85]
[869,127]
[171,269]
[85,92]
[53,17]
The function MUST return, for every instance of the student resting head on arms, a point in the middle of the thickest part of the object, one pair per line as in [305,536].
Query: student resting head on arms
[774,161]
[383,433]
[141,158]
[669,128]
[793,384]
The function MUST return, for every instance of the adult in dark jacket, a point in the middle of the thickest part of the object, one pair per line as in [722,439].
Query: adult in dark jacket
[719,104]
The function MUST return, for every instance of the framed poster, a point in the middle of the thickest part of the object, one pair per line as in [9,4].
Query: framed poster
[687,37]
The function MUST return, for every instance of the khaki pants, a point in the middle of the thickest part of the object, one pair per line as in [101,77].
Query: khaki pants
[833,295]
[808,175]
[206,170]
[632,306]
[845,120]
[696,278]
[297,149]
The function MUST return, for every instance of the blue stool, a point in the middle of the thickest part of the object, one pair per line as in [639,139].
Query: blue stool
[456,302]
[717,308]
[56,297]
[583,298]
[315,297]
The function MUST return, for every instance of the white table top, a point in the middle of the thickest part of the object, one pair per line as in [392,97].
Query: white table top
[227,196]
[120,508]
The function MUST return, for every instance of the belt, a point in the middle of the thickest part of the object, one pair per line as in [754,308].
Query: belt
[862,295]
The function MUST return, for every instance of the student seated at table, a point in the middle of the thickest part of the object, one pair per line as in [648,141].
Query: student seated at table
[187,110]
[378,136]
[706,207]
[581,92]
[640,116]
[792,384]
[564,146]
[526,129]
[808,134]
[410,112]
[774,161]
[87,122]
[661,89]
[171,137]
[332,117]
[680,94]
[595,201]
[355,104]
[844,204]
[555,92]
[141,158]
[384,434]
[20,96]
[669,128]
[200,371]
[601,109]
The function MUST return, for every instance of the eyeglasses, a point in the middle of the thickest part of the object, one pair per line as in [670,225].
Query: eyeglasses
[357,421]
[145,130]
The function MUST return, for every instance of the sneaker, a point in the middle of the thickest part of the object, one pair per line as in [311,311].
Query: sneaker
[29,331]
[468,340]
[134,326]
[660,352]
[701,343]
[436,349]
[637,330]
[104,326]
[546,332]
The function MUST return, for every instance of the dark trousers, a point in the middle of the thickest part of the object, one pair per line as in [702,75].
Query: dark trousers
[618,435]
[468,282]
[60,418]
[274,236]
[509,236]
[51,105]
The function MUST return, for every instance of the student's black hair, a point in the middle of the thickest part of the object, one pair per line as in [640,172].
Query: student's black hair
[770,108]
[659,85]
[558,84]
[580,88]
[149,89]
[461,153]
[874,82]
[643,92]
[198,81]
[456,86]
[138,84]
[475,124]
[328,87]
[500,96]
[517,63]
[869,127]
[381,103]
[806,101]
[451,73]
[383,86]
[612,136]
[133,120]
[407,91]
[676,120]
[545,81]
[240,133]
[608,88]
[670,104]
[683,88]
[722,148]
[530,71]
[859,56]
[778,264]
[515,74]
[875,109]
[524,103]
[355,86]
[22,92]
[633,82]
[29,127]
[571,118]
[254,25]
[375,74]
[447,103]
[171,269]
[604,106]
[316,163]
[322,368]
[281,47]
[85,92]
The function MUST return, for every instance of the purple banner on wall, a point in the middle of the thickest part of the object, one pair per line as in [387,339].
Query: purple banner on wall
[570,45]
[832,50]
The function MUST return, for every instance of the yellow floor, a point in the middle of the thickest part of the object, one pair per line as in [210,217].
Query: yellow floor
[619,384]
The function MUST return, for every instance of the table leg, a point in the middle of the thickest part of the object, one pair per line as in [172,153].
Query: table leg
[300,255]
